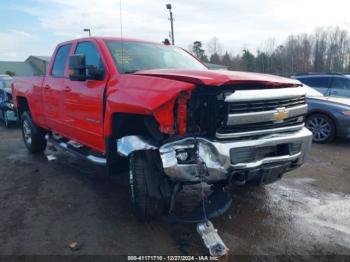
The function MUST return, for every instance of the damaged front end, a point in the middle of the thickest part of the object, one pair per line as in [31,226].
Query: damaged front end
[197,159]
[224,136]
[232,135]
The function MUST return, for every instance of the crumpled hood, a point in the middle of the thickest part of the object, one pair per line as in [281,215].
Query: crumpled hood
[220,78]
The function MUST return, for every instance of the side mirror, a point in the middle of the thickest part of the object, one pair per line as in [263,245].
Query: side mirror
[77,68]
[94,73]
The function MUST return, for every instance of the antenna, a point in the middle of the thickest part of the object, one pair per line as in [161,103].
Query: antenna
[121,19]
[121,31]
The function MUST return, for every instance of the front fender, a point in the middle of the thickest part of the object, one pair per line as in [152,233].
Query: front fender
[143,95]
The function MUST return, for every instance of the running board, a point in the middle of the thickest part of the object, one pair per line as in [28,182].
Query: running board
[76,148]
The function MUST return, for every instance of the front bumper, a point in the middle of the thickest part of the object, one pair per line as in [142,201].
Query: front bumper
[214,160]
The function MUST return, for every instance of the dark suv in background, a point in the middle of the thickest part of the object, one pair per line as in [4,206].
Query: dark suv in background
[328,84]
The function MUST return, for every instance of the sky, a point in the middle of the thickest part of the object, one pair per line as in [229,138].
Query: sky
[34,27]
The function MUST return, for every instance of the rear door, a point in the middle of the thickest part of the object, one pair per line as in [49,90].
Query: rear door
[83,101]
[52,89]
[340,86]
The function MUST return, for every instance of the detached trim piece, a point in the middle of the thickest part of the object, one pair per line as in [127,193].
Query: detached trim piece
[268,160]
[265,94]
[128,144]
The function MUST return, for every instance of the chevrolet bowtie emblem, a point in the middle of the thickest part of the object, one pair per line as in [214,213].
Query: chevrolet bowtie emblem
[281,114]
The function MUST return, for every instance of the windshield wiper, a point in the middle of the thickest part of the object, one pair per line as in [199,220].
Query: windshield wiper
[131,71]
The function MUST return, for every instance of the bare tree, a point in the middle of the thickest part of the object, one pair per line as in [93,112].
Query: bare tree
[326,50]
[214,46]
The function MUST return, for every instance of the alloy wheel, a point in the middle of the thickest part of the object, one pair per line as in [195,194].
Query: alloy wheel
[27,132]
[320,128]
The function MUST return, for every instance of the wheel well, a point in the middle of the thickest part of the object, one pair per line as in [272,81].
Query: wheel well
[22,106]
[318,112]
[132,124]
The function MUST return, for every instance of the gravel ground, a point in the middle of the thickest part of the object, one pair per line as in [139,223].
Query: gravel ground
[45,205]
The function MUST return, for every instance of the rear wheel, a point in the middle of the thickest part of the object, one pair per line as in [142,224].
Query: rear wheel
[145,180]
[322,128]
[33,136]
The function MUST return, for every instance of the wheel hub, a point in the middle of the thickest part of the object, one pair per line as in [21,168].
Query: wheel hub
[320,128]
[27,132]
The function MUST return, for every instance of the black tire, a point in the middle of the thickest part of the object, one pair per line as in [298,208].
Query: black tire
[322,127]
[33,136]
[146,200]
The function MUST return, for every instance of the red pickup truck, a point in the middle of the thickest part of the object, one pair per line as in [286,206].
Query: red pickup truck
[174,121]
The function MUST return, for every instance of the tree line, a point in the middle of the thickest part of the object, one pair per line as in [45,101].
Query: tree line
[327,49]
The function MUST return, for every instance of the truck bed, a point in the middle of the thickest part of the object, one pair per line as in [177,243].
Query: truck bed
[30,88]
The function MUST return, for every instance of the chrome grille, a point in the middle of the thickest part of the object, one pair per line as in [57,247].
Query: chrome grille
[263,112]
[260,126]
[264,105]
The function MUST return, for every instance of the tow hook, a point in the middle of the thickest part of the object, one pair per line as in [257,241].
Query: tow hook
[212,240]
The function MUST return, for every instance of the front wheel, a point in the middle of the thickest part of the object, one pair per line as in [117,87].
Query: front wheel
[146,180]
[322,128]
[33,136]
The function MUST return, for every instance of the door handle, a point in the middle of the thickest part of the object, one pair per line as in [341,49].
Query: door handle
[67,89]
[47,87]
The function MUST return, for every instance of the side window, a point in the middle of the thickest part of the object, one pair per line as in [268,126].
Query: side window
[304,80]
[341,83]
[92,57]
[322,81]
[60,61]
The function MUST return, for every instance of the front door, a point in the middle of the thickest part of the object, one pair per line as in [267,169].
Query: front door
[83,101]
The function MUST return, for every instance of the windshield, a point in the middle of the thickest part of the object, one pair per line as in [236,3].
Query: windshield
[135,56]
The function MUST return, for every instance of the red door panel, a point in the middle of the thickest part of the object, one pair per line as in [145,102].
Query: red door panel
[52,102]
[82,101]
[83,112]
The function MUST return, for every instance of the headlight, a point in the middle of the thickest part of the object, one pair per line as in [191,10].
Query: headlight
[347,113]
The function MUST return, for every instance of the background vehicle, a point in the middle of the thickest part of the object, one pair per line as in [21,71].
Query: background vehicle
[7,113]
[327,84]
[175,121]
[328,117]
